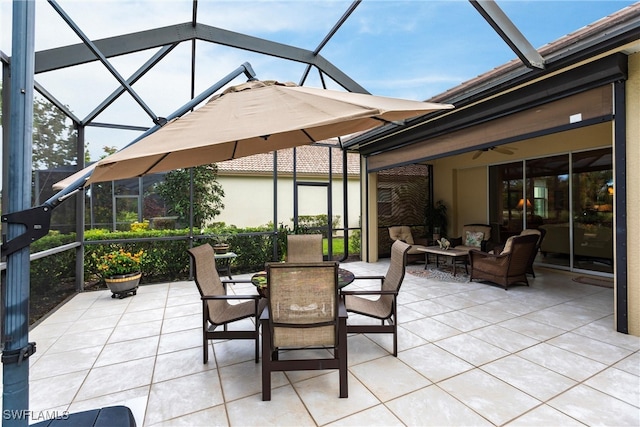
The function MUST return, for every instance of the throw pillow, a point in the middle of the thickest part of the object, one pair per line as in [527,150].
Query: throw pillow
[474,238]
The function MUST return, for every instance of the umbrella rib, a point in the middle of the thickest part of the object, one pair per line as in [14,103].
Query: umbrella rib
[235,147]
[308,136]
[164,156]
[385,121]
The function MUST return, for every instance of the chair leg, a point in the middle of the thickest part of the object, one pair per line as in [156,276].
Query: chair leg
[257,339]
[205,326]
[395,341]
[205,348]
[266,362]
[342,355]
[394,316]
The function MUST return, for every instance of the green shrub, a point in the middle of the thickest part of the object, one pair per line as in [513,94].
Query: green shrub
[313,222]
[354,242]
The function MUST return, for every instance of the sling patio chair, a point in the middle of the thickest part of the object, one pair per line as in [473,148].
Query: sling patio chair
[304,248]
[304,312]
[385,306]
[216,309]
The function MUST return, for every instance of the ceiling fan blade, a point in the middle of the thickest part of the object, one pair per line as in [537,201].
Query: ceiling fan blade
[503,150]
[476,155]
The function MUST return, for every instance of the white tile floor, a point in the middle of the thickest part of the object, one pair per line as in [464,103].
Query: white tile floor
[469,354]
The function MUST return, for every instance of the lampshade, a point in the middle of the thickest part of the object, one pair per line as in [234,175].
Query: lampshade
[521,204]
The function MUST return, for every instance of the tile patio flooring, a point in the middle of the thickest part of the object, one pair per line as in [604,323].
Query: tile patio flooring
[470,354]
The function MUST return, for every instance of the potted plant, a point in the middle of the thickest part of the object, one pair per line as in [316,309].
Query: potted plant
[436,219]
[121,271]
[220,244]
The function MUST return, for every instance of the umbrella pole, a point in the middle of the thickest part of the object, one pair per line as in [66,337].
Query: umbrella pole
[15,326]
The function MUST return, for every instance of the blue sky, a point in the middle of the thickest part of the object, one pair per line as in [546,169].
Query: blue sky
[409,49]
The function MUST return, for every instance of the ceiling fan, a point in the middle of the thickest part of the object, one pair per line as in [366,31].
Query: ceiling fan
[503,150]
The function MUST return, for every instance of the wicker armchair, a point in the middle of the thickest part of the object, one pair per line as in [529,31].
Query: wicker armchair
[216,310]
[507,268]
[540,233]
[304,248]
[384,307]
[474,237]
[403,233]
[304,312]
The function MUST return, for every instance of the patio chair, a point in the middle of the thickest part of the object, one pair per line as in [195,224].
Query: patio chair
[403,233]
[216,309]
[385,306]
[508,267]
[540,232]
[474,237]
[304,312]
[304,248]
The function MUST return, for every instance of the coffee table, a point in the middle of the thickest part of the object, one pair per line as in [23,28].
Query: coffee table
[456,256]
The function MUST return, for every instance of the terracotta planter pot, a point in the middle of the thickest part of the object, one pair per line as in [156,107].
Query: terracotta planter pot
[123,285]
[221,248]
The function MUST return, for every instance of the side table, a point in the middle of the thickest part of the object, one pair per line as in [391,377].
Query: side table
[223,263]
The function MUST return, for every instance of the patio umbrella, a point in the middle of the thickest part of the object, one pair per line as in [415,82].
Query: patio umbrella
[251,118]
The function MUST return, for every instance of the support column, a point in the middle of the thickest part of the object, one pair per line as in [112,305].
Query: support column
[633,192]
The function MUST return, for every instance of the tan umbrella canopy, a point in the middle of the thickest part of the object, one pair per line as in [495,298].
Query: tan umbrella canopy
[255,117]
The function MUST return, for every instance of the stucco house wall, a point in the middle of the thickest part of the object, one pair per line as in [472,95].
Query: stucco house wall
[248,184]
[249,199]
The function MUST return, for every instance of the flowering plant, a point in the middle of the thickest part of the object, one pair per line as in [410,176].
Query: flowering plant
[118,262]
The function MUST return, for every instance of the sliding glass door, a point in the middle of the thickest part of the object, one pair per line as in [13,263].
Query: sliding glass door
[593,210]
[569,197]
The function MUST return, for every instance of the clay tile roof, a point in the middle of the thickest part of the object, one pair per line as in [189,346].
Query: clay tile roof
[311,160]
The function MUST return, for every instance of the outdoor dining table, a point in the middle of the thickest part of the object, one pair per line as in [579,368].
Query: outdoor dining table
[259,280]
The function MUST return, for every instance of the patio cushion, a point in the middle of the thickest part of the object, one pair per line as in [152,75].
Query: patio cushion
[402,233]
[507,245]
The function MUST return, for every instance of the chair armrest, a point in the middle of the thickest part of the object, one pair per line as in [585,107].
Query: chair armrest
[342,310]
[455,241]
[225,281]
[482,254]
[378,292]
[497,249]
[369,277]
[489,245]
[229,297]
[422,241]
[486,258]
